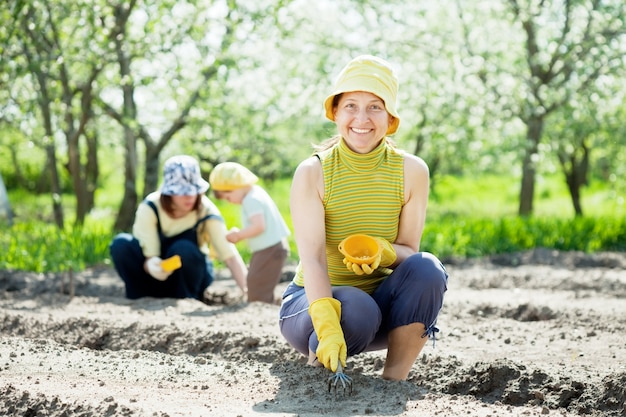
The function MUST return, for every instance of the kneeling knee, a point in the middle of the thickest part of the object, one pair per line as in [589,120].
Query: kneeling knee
[429,269]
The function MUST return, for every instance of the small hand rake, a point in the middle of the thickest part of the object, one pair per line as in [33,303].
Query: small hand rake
[340,381]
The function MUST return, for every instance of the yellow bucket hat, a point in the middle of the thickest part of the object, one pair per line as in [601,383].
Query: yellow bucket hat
[229,176]
[373,75]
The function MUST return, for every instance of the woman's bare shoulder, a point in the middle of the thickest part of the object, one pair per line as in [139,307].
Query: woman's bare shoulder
[415,164]
[309,167]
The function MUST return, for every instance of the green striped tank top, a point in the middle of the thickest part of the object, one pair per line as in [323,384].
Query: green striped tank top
[363,193]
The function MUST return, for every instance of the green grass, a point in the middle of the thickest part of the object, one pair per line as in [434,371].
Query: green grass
[467,217]
[498,197]
[473,237]
[39,247]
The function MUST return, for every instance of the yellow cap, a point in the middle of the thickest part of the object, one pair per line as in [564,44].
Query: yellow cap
[229,176]
[373,75]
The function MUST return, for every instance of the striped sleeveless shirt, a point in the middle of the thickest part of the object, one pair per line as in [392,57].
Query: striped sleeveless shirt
[363,193]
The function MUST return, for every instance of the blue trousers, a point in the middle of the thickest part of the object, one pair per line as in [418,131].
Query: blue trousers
[189,281]
[413,293]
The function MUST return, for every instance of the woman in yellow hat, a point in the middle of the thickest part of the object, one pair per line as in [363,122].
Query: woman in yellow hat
[358,207]
[263,227]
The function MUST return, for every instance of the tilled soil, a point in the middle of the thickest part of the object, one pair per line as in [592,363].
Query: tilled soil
[529,334]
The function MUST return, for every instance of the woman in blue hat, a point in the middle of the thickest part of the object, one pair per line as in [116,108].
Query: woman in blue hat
[178,220]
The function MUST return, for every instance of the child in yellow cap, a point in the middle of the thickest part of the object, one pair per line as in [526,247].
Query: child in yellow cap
[262,226]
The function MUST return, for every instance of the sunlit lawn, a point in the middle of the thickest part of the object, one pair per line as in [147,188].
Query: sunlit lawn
[466,217]
[494,196]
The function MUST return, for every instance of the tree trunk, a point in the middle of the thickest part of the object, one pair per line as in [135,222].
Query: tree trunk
[575,171]
[55,187]
[574,191]
[126,214]
[76,172]
[92,169]
[151,179]
[527,192]
[76,128]
[44,101]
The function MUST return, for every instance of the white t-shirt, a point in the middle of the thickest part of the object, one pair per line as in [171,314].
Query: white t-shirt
[256,201]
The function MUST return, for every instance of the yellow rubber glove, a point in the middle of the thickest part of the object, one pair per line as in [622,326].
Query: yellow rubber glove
[364,253]
[325,314]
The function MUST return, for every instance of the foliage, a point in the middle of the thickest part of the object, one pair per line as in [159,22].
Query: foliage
[468,217]
[255,97]
[42,247]
[138,81]
[471,237]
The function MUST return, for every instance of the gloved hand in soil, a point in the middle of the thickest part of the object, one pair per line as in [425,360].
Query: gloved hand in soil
[332,350]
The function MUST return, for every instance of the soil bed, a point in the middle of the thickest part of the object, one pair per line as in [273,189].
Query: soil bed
[527,334]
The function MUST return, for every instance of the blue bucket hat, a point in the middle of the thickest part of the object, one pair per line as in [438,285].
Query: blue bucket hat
[181,176]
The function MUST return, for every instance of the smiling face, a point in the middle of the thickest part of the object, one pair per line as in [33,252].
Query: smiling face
[362,120]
